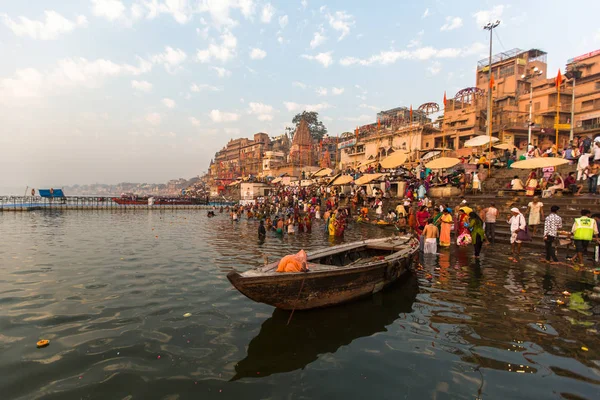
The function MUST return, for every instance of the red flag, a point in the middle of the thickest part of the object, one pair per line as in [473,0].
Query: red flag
[378,123]
[558,80]
[445,99]
[492,83]
[411,113]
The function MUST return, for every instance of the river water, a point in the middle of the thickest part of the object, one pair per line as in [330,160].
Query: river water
[109,289]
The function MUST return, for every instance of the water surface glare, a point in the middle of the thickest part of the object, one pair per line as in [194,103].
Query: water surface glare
[109,289]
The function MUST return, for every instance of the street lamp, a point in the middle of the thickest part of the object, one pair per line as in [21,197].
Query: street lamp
[535,72]
[490,27]
[573,73]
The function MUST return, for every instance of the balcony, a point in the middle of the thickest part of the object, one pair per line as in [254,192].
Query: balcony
[587,128]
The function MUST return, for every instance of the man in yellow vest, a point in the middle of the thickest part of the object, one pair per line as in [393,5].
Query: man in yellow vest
[584,229]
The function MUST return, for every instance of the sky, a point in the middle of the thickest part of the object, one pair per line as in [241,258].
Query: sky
[107,91]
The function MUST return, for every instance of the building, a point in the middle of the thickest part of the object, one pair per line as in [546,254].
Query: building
[301,151]
[240,157]
[587,92]
[402,115]
[271,161]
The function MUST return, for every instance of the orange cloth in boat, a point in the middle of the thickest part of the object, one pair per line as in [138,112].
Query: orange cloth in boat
[293,262]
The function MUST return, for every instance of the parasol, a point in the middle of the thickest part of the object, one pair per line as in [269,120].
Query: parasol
[481,140]
[431,154]
[442,162]
[395,160]
[323,172]
[504,146]
[342,180]
[539,162]
[366,178]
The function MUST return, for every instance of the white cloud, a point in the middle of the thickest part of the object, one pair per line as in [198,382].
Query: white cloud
[223,52]
[283,21]
[425,13]
[153,118]
[168,134]
[337,91]
[280,39]
[421,53]
[219,10]
[435,68]
[598,36]
[257,54]
[233,131]
[267,13]
[321,91]
[360,118]
[291,106]
[264,112]
[342,22]
[324,59]
[142,86]
[194,121]
[300,85]
[68,73]
[109,9]
[482,17]
[318,39]
[169,103]
[171,58]
[222,72]
[202,87]
[50,28]
[304,4]
[220,116]
[452,23]
[374,108]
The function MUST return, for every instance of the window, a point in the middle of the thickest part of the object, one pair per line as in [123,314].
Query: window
[597,85]
[536,106]
[587,104]
[506,70]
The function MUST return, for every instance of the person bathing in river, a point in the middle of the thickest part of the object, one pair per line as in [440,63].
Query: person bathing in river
[430,235]
[445,223]
[262,232]
[475,225]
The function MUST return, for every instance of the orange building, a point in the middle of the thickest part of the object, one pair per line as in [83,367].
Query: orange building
[587,93]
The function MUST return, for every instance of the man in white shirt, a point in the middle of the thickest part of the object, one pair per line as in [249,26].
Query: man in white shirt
[517,223]
[582,164]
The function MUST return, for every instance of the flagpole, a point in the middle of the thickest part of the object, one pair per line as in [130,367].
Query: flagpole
[558,82]
[443,124]
[490,26]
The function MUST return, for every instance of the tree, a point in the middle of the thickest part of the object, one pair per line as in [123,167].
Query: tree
[316,127]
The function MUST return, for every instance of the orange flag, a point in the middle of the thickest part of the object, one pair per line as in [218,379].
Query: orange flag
[558,80]
[378,123]
[445,99]
[411,119]
[492,82]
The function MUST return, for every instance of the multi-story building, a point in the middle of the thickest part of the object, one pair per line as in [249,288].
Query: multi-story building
[587,92]
[240,157]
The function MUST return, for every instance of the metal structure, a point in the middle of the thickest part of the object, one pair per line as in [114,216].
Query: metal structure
[469,95]
[534,73]
[429,108]
[532,55]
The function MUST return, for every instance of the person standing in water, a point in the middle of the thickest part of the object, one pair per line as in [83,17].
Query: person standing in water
[262,232]
[430,234]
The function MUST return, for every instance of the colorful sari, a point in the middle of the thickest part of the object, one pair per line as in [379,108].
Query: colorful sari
[446,228]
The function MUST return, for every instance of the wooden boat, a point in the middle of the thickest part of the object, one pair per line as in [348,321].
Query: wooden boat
[335,275]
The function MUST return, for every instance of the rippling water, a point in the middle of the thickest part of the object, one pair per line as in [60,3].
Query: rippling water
[109,290]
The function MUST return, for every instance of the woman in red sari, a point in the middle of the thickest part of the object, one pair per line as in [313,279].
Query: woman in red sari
[422,217]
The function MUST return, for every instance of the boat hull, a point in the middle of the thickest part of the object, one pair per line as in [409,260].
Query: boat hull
[302,291]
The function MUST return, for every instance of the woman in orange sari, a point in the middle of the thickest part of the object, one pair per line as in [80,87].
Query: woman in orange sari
[446,225]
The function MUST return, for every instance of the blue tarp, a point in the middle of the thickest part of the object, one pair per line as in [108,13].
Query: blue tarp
[56,193]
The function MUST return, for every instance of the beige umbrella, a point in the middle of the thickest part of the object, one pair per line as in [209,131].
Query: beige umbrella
[442,162]
[323,172]
[366,178]
[504,146]
[367,162]
[342,180]
[276,180]
[481,140]
[539,162]
[395,160]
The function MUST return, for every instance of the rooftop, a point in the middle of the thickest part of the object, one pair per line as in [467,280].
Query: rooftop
[496,58]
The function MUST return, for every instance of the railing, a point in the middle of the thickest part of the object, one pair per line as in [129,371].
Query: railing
[589,127]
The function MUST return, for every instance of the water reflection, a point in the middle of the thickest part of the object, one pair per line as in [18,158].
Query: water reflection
[281,348]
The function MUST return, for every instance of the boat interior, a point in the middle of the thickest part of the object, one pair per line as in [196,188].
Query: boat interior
[351,256]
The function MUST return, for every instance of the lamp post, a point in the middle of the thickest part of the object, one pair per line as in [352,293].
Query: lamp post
[490,27]
[534,73]
[573,73]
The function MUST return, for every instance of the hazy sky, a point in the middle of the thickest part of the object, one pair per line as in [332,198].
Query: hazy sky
[147,90]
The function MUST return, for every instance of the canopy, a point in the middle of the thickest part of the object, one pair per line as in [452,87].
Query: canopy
[480,141]
[504,146]
[442,162]
[539,162]
[367,162]
[395,160]
[431,154]
[366,178]
[342,180]
[323,172]
[307,182]
[276,180]
[234,183]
